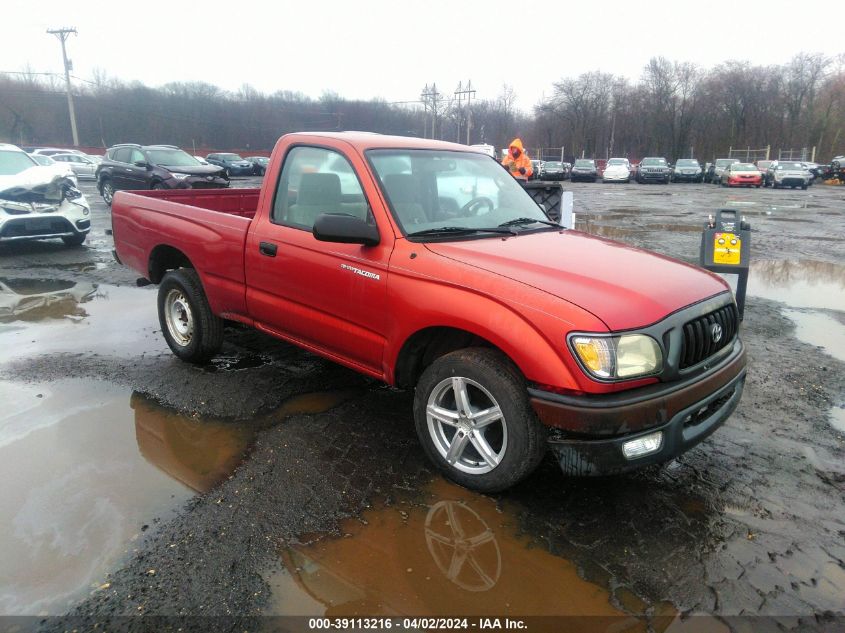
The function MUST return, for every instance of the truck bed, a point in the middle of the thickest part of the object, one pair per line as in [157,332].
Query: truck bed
[208,226]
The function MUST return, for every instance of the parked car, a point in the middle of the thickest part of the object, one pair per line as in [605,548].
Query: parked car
[201,159]
[709,171]
[130,166]
[554,170]
[763,167]
[259,164]
[44,160]
[39,201]
[232,163]
[654,169]
[687,170]
[52,151]
[584,170]
[80,164]
[617,170]
[783,173]
[537,170]
[503,324]
[719,167]
[742,175]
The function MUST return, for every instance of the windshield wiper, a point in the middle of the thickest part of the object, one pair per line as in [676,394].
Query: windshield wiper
[521,221]
[455,230]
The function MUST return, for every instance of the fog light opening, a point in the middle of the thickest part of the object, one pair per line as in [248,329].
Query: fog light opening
[642,446]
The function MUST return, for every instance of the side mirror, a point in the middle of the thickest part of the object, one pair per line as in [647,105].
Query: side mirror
[142,163]
[344,229]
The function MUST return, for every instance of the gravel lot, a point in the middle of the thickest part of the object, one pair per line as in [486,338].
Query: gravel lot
[275,483]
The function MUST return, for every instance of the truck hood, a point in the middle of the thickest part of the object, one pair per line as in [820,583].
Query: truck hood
[623,286]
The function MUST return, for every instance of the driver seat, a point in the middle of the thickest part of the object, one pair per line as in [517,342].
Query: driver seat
[403,190]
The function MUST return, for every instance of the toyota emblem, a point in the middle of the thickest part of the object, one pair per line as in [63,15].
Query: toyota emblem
[716,332]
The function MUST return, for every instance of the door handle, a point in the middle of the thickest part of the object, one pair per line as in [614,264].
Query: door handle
[267,248]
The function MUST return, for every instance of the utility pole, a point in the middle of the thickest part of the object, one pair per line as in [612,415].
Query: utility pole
[430,96]
[469,92]
[63,34]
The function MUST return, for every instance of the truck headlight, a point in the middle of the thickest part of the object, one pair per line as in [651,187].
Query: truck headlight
[618,357]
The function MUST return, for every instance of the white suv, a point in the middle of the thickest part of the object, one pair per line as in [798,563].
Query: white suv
[39,202]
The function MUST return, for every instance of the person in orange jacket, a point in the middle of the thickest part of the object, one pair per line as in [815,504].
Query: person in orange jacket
[517,161]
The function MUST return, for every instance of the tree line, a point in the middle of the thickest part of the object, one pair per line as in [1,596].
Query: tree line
[674,109]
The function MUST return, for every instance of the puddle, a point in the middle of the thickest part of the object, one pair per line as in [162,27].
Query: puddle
[76,492]
[87,466]
[819,330]
[52,316]
[457,554]
[41,299]
[236,363]
[799,283]
[199,453]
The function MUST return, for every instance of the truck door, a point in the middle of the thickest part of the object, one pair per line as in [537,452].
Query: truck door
[329,296]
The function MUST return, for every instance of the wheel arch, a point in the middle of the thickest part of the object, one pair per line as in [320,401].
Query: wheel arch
[163,258]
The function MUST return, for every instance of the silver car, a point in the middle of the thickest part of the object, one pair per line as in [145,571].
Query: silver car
[82,165]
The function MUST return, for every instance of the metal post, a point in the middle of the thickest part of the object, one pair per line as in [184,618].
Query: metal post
[63,34]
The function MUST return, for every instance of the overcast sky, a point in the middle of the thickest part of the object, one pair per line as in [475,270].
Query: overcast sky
[391,49]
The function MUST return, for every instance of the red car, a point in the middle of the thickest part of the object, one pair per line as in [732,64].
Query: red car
[425,265]
[742,175]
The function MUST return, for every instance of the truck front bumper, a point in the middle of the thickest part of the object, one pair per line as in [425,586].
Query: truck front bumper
[591,434]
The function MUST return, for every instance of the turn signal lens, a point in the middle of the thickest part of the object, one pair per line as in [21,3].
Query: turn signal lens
[596,354]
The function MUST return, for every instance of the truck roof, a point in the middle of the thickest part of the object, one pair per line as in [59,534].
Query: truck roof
[367,140]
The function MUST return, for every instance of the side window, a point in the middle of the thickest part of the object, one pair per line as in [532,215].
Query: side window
[121,155]
[136,156]
[314,181]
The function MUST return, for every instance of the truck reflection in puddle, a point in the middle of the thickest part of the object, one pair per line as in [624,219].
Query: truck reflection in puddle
[40,299]
[200,452]
[459,554]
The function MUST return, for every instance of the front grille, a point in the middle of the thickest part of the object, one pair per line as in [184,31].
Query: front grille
[698,344]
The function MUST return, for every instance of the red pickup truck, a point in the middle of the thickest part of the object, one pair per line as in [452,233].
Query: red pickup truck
[425,265]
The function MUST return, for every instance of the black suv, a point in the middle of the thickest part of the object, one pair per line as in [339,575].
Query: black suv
[654,169]
[129,166]
[232,163]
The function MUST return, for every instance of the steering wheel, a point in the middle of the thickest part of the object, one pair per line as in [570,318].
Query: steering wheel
[474,206]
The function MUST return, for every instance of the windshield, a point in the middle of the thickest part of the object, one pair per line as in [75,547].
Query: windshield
[229,157]
[790,166]
[12,163]
[41,159]
[432,189]
[743,167]
[724,162]
[172,158]
[687,163]
[617,161]
[551,164]
[654,162]
[585,163]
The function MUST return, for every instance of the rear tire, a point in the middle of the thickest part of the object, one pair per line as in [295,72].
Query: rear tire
[474,420]
[191,329]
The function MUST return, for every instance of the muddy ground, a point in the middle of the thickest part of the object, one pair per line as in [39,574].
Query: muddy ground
[272,482]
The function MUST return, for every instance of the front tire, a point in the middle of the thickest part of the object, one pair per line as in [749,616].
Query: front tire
[474,420]
[75,240]
[191,329]
[107,191]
